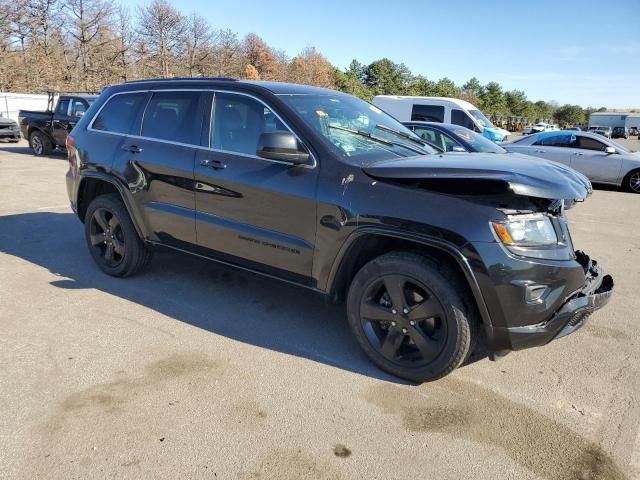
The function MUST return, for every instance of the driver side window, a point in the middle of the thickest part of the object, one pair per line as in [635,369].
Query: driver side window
[587,143]
[239,121]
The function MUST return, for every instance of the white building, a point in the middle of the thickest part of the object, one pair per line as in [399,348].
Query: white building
[614,119]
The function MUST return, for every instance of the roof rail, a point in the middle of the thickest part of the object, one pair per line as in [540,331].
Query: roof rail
[230,79]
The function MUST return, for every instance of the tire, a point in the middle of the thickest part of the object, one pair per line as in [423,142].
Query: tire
[112,239]
[443,331]
[631,182]
[40,144]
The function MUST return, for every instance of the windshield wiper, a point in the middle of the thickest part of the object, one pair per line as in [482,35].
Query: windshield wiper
[400,134]
[375,138]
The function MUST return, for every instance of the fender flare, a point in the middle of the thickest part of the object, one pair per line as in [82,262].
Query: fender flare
[432,242]
[133,211]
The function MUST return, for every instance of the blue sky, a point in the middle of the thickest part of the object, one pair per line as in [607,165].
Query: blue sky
[585,52]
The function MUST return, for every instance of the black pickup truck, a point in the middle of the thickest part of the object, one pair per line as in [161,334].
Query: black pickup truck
[49,129]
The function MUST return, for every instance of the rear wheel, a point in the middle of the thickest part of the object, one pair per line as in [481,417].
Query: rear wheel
[408,318]
[112,239]
[40,144]
[632,181]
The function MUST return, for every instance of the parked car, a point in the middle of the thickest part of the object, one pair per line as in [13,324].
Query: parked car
[453,138]
[440,109]
[9,130]
[620,132]
[544,127]
[598,158]
[604,131]
[323,190]
[48,130]
[633,131]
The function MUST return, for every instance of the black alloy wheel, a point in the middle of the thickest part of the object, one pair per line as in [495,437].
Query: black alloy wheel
[112,238]
[403,320]
[412,315]
[107,237]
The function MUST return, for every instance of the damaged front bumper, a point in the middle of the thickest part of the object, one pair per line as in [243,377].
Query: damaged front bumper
[573,313]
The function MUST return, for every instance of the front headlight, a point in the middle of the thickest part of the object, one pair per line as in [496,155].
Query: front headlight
[535,230]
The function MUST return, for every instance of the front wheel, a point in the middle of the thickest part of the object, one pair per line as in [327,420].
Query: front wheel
[112,239]
[408,318]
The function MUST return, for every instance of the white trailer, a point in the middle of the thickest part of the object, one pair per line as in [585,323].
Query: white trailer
[11,103]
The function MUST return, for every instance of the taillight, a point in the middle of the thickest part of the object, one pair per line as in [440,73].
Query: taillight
[71,155]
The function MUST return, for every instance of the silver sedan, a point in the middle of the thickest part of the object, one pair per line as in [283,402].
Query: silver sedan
[598,158]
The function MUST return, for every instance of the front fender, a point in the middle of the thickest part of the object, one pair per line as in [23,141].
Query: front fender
[444,246]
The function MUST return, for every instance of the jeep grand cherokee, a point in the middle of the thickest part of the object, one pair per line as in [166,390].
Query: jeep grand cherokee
[431,251]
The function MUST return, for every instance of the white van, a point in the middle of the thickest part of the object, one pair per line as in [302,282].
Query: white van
[441,110]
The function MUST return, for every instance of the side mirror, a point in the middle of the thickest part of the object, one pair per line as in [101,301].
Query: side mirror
[79,113]
[458,148]
[283,146]
[610,150]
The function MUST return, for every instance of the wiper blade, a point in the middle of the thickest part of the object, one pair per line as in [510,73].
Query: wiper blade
[400,134]
[375,138]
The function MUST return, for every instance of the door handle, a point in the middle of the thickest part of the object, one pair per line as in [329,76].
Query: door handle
[578,153]
[132,149]
[215,164]
[541,151]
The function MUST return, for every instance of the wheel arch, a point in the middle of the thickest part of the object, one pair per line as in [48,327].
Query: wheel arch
[94,184]
[627,176]
[367,243]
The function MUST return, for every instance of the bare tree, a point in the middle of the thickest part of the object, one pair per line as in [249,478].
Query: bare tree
[87,19]
[162,27]
[226,55]
[197,42]
[123,42]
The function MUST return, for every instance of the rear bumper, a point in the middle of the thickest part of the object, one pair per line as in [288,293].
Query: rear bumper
[572,314]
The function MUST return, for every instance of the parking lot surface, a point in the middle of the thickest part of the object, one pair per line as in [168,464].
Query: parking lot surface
[192,370]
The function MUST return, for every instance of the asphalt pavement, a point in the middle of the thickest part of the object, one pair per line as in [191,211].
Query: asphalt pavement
[193,370]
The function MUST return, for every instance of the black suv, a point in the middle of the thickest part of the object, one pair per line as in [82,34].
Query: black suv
[432,252]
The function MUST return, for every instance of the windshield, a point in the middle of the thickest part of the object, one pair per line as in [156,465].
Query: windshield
[355,129]
[482,120]
[477,142]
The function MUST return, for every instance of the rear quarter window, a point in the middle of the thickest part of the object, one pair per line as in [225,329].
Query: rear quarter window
[119,113]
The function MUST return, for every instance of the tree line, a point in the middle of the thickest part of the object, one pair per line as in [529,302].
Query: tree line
[83,45]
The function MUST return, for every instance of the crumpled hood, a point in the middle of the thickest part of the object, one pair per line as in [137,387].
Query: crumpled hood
[524,175]
[7,122]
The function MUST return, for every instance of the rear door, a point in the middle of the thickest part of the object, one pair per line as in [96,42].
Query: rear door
[158,164]
[60,121]
[555,147]
[250,210]
[589,158]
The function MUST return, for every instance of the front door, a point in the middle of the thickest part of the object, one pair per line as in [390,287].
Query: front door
[250,210]
[589,158]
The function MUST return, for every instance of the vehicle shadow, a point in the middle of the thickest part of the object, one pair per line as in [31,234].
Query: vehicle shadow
[238,305]
[22,148]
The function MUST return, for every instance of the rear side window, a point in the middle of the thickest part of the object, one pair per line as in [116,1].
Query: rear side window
[458,117]
[173,116]
[62,107]
[427,113]
[555,141]
[119,113]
